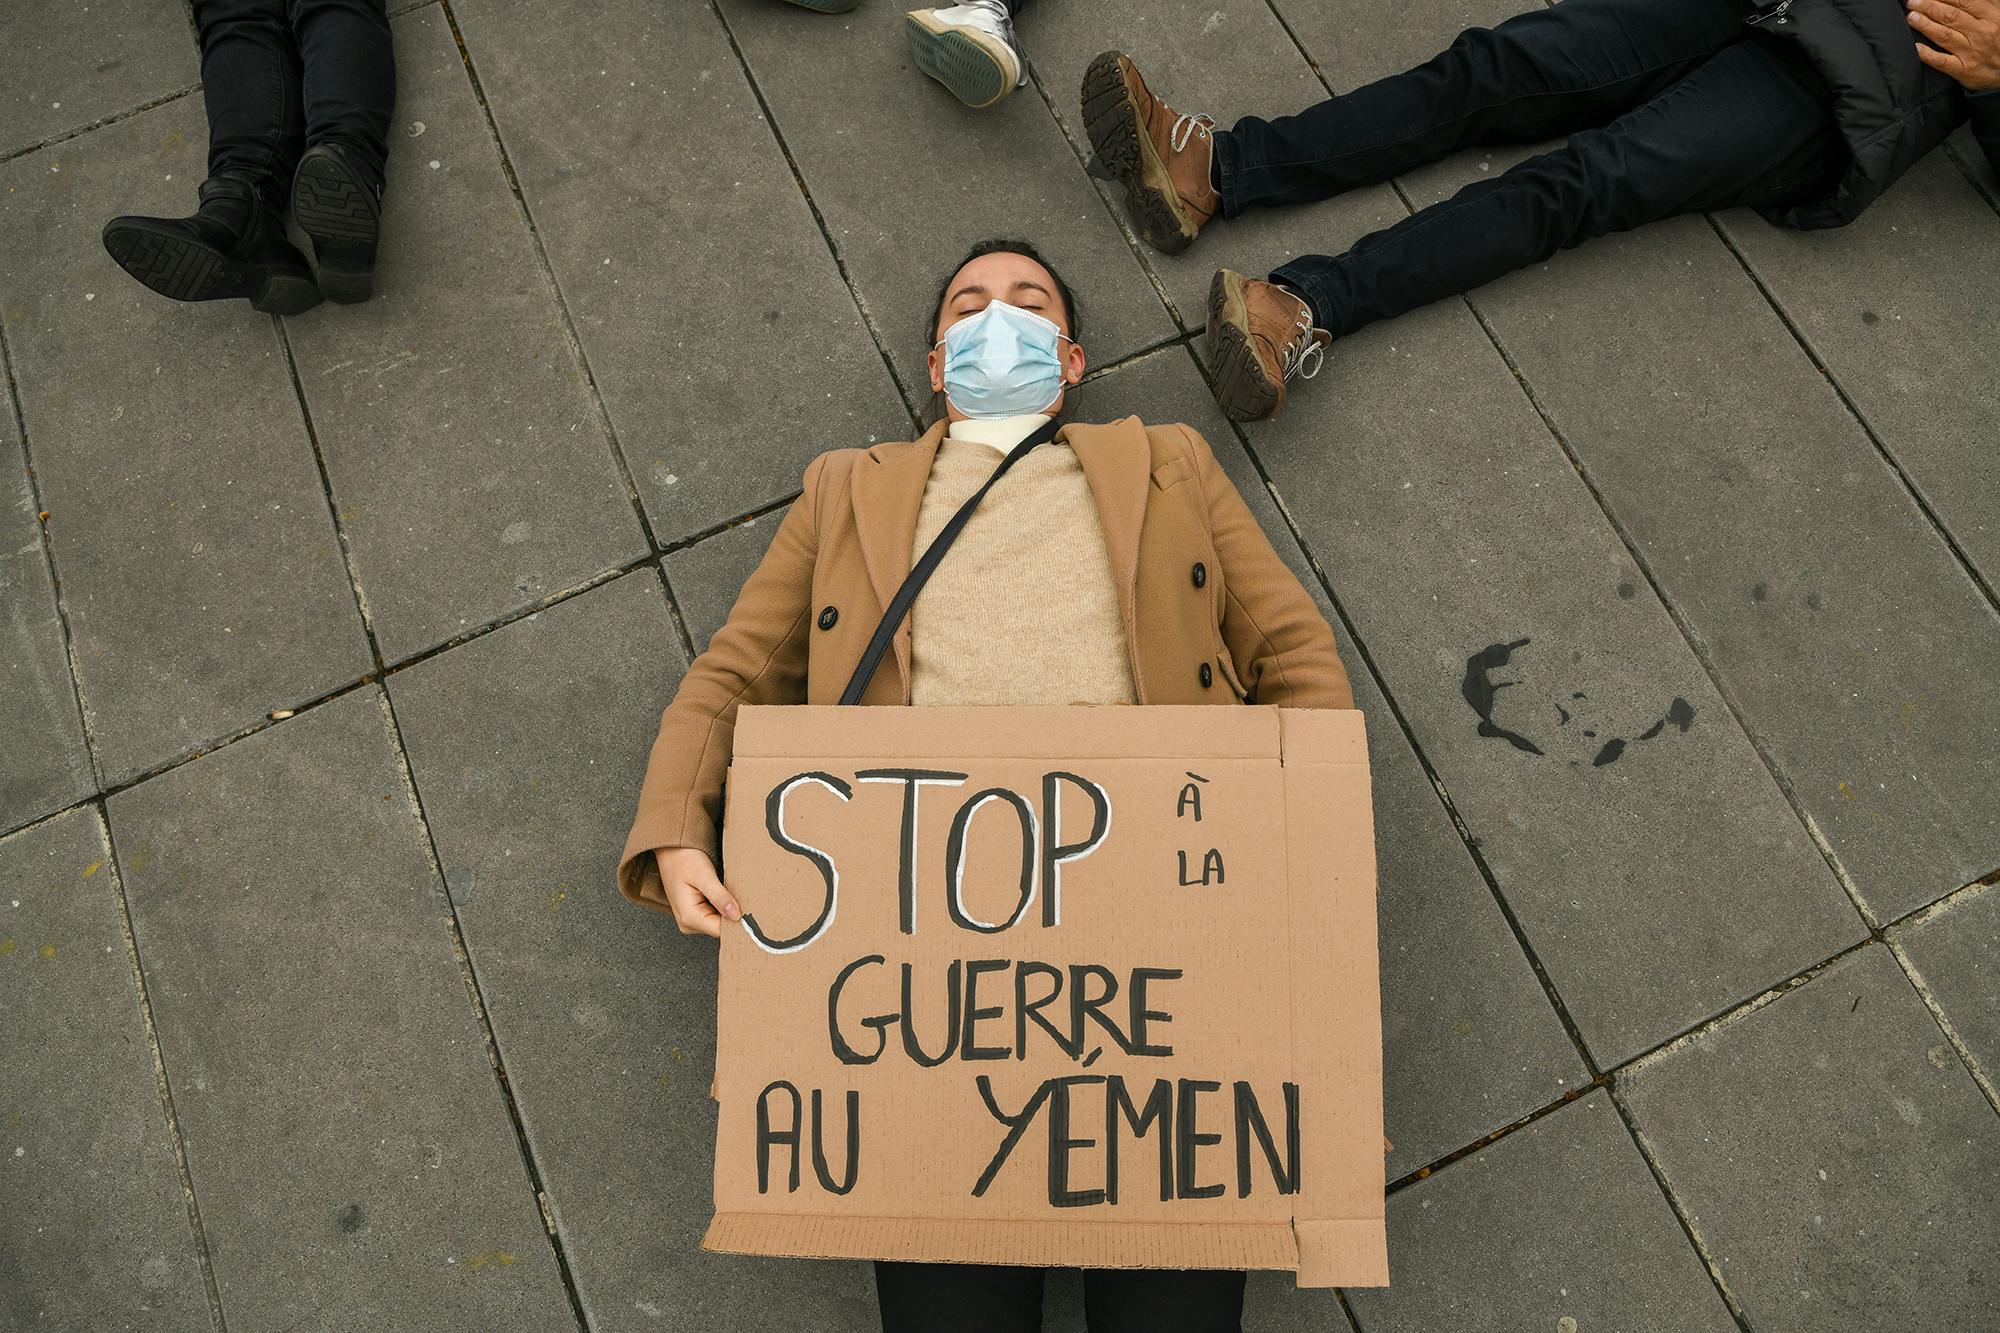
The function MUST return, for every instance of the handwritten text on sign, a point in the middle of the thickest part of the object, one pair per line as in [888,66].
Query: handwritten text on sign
[1017,1008]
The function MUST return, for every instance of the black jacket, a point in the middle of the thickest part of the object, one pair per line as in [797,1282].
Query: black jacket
[1892,108]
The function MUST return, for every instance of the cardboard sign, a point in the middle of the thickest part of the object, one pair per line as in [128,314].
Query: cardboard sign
[1057,986]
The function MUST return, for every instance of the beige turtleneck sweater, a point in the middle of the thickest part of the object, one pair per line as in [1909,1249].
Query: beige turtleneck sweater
[1023,609]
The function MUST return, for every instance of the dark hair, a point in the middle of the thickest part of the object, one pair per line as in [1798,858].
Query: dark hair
[998,246]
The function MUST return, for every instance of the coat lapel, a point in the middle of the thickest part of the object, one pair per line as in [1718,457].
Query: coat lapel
[887,493]
[1118,463]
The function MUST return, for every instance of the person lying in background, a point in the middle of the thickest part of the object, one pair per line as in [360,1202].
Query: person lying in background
[1805,110]
[299,94]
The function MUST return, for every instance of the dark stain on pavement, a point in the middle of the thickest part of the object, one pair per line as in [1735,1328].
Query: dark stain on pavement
[1480,687]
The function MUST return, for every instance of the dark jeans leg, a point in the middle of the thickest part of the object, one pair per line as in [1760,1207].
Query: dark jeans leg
[959,1298]
[350,75]
[1539,75]
[1751,126]
[1155,1300]
[250,82]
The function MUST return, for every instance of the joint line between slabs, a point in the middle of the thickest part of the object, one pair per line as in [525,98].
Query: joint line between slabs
[1972,174]
[469,972]
[1915,977]
[812,206]
[1681,1214]
[540,251]
[1888,457]
[64,136]
[49,563]
[163,1084]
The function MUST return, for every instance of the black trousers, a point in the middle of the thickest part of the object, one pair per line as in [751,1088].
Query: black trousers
[997,1298]
[281,75]
[1670,106]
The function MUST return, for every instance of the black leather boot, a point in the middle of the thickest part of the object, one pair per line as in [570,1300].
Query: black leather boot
[338,204]
[233,246]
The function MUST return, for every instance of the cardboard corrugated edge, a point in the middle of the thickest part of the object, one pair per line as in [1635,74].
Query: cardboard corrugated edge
[1226,1245]
[1335,1238]
[1341,1233]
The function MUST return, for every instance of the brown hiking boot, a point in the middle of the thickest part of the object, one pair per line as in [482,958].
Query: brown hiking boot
[1259,336]
[1160,156]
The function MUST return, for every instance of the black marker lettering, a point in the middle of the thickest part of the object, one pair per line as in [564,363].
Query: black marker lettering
[968,1048]
[1160,1108]
[954,860]
[848,1055]
[819,1145]
[1025,1009]
[774,824]
[910,1042]
[766,1136]
[1054,850]
[906,870]
[1016,1126]
[1191,1138]
[1249,1120]
[1142,1016]
[1061,1144]
[1082,1004]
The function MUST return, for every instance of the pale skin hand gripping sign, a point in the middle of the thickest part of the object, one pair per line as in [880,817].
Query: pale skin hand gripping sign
[1066,986]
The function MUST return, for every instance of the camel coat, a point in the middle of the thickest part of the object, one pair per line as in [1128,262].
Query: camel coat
[1212,615]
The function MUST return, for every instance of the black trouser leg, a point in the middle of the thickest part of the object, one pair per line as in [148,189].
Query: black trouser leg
[350,75]
[250,83]
[1539,75]
[960,1298]
[1752,126]
[998,1298]
[1156,1300]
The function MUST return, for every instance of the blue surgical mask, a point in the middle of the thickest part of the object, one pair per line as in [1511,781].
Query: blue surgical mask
[1002,362]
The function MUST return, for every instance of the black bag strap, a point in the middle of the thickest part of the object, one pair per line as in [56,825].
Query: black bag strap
[920,573]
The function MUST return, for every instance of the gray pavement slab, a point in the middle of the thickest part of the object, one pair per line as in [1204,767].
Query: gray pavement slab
[47,763]
[1839,621]
[907,178]
[1481,576]
[1955,952]
[97,1232]
[527,746]
[1238,60]
[716,325]
[706,577]
[65,66]
[1356,41]
[1833,1156]
[1899,307]
[470,465]
[200,569]
[1559,1225]
[345,1132]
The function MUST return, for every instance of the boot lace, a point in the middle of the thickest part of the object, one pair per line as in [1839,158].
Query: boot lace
[1186,128]
[1304,354]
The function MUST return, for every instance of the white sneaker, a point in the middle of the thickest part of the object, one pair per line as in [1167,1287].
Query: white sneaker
[969,48]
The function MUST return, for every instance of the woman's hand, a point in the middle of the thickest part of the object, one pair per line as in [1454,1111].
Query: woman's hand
[694,892]
[1967,33]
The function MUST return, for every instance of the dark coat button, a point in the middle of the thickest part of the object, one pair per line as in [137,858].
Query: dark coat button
[1207,675]
[1200,575]
[827,617]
